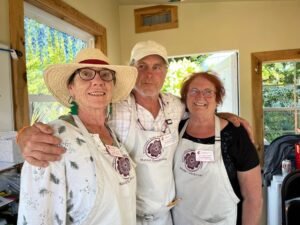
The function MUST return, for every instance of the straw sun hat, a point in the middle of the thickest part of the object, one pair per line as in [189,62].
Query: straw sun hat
[56,76]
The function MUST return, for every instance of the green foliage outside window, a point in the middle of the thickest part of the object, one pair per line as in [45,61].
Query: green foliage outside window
[281,91]
[46,46]
[179,68]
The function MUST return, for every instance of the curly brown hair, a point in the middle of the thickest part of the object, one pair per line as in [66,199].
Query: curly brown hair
[220,90]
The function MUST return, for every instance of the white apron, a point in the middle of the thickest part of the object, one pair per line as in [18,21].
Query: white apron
[116,196]
[153,157]
[205,189]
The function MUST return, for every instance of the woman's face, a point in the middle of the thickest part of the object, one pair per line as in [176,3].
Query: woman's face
[91,94]
[201,97]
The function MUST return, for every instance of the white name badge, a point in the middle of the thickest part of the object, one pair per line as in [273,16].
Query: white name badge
[204,156]
[114,151]
[168,139]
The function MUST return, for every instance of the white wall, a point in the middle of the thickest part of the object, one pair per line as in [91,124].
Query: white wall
[6,103]
[203,27]
[6,113]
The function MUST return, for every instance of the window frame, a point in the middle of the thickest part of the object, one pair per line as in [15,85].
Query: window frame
[59,9]
[60,25]
[50,20]
[257,60]
[152,11]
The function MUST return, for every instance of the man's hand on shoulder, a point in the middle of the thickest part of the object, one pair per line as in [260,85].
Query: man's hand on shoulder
[38,145]
[237,121]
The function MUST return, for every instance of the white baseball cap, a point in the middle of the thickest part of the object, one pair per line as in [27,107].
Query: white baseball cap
[146,48]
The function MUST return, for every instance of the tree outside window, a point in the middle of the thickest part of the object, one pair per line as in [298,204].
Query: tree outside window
[224,64]
[48,40]
[281,89]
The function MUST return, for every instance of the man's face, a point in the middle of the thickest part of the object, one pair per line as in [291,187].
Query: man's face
[152,72]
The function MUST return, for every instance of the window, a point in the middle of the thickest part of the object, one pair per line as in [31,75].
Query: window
[257,61]
[281,102]
[16,23]
[48,40]
[224,64]
[155,18]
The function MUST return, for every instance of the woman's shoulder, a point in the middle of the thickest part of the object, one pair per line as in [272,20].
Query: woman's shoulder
[171,99]
[63,123]
[234,134]
[232,128]
[223,123]
[69,133]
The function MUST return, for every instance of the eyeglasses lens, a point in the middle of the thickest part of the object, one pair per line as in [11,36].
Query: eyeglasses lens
[89,74]
[207,93]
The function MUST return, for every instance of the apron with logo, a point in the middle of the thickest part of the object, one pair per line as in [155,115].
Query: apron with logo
[200,175]
[115,201]
[153,153]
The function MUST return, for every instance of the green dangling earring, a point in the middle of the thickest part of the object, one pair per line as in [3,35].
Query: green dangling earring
[108,111]
[74,108]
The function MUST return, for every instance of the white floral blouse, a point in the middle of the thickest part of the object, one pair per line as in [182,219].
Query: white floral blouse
[81,188]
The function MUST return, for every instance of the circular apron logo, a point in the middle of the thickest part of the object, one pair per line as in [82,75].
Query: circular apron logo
[123,166]
[189,159]
[153,148]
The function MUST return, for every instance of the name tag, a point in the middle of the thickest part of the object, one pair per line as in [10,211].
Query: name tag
[168,139]
[114,151]
[204,156]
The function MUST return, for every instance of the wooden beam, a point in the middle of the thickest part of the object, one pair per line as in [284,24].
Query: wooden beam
[67,13]
[257,104]
[279,55]
[19,78]
[101,42]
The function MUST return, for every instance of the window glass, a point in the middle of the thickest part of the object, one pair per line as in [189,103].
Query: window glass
[224,64]
[46,45]
[281,92]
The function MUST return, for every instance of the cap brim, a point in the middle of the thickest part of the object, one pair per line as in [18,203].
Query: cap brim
[145,54]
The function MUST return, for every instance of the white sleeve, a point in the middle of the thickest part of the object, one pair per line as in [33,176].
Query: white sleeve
[43,195]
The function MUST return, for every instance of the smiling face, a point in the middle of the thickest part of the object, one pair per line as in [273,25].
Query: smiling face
[201,97]
[152,72]
[91,94]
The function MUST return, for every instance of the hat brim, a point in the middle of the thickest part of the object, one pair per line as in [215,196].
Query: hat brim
[57,76]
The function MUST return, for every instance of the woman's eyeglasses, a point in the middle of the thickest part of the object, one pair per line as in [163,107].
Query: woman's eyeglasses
[89,74]
[206,93]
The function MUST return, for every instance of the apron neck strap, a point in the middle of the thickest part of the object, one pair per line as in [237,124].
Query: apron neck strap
[217,129]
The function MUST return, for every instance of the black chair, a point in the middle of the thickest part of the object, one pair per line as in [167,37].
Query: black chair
[290,198]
